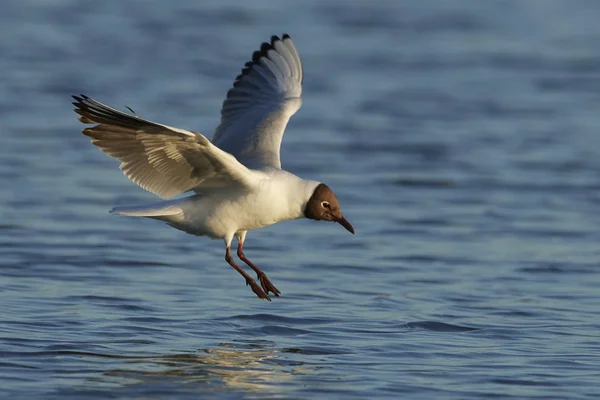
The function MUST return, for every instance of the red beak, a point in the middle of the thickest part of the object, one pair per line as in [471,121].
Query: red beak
[343,222]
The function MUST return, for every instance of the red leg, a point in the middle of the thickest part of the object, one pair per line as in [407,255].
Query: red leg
[249,281]
[262,277]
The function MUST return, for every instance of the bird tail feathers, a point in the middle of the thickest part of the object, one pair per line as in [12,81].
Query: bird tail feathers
[157,211]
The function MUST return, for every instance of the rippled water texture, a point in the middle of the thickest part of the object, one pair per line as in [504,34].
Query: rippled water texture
[461,138]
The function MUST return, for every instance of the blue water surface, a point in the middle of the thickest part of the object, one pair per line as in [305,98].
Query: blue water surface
[461,137]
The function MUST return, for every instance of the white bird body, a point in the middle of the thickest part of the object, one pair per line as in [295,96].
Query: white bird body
[237,178]
[222,213]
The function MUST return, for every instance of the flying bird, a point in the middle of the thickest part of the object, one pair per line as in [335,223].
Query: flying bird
[235,181]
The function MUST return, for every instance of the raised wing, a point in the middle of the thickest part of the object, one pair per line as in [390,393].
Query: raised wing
[163,160]
[258,107]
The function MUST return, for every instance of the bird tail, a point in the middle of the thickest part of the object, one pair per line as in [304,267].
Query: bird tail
[163,211]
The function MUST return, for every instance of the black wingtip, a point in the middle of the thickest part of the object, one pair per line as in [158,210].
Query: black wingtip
[78,101]
[130,109]
[81,98]
[265,47]
[257,55]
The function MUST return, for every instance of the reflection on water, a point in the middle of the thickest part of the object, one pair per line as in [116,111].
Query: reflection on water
[252,367]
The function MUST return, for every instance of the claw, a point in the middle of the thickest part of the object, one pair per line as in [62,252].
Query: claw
[267,285]
[263,294]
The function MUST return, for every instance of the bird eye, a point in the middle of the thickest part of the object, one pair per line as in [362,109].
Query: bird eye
[325,204]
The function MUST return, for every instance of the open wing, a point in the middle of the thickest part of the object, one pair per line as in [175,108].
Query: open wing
[163,160]
[258,107]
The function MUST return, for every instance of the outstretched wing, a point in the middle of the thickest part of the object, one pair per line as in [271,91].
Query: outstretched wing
[163,160]
[258,107]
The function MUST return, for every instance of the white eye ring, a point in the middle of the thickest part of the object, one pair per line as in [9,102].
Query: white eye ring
[325,204]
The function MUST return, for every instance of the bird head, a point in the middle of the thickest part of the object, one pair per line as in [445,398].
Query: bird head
[324,206]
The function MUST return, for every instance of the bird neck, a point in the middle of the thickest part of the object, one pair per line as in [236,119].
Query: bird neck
[295,192]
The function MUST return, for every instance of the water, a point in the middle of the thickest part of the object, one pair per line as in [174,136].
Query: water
[461,139]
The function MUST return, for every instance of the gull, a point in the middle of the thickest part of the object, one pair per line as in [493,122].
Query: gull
[235,182]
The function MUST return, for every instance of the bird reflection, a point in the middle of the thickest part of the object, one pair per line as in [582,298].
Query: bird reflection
[251,369]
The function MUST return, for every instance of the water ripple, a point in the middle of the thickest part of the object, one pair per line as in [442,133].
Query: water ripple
[435,326]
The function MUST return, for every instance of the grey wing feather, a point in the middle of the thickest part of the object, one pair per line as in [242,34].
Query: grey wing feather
[258,107]
[164,160]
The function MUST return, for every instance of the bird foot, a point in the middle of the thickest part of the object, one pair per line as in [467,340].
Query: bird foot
[267,285]
[257,289]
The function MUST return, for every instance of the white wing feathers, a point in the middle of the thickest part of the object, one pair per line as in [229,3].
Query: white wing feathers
[163,160]
[258,107]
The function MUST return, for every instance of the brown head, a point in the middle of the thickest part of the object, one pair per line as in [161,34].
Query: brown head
[323,205]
